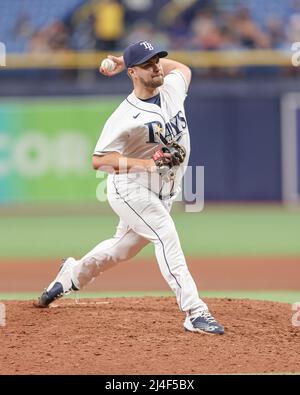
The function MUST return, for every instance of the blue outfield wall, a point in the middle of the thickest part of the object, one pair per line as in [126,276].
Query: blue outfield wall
[237,140]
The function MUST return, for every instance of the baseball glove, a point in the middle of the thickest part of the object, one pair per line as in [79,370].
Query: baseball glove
[169,156]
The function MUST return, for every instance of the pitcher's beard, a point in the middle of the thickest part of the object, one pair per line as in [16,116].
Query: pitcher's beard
[153,84]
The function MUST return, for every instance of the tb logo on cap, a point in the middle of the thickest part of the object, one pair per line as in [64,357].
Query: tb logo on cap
[147,45]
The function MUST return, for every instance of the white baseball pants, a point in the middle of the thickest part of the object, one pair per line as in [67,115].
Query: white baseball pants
[144,218]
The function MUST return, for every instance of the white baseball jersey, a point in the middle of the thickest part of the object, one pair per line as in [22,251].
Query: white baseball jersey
[132,131]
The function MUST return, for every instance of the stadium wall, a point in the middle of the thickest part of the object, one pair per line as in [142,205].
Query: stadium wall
[235,134]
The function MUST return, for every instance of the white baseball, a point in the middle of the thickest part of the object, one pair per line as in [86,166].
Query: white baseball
[108,64]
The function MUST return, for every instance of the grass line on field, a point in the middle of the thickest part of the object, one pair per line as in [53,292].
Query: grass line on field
[275,296]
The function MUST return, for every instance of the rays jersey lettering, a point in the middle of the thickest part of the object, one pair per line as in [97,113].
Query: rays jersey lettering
[136,128]
[173,129]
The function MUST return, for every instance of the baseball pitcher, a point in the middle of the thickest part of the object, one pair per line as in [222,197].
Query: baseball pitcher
[145,148]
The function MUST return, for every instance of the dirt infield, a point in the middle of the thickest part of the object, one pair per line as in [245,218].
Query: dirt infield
[145,336]
[144,275]
[130,336]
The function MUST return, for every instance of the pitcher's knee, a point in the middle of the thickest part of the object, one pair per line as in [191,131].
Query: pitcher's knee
[169,229]
[109,257]
[120,256]
[167,235]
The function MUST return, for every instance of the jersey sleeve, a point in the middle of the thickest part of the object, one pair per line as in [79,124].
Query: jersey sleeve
[176,83]
[112,139]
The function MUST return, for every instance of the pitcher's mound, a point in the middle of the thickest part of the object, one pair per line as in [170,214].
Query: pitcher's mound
[145,336]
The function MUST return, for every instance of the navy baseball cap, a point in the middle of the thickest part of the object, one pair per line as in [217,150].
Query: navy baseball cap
[140,52]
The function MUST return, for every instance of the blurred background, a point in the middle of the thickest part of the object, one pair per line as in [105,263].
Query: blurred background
[243,109]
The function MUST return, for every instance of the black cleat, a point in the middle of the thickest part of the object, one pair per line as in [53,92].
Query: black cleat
[55,292]
[62,285]
[204,323]
[48,297]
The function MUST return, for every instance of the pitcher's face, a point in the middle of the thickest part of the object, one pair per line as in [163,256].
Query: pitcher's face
[149,74]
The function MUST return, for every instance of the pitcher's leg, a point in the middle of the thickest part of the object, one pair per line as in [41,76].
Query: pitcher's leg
[147,216]
[73,275]
[124,245]
[174,269]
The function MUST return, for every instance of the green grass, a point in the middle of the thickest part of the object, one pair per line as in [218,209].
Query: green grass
[275,296]
[241,232]
[226,231]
